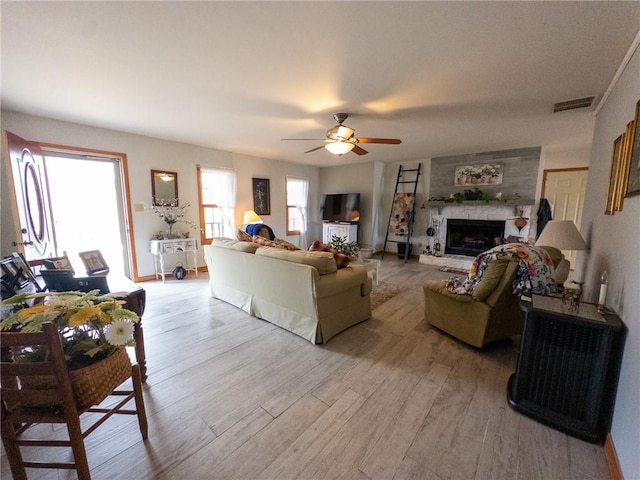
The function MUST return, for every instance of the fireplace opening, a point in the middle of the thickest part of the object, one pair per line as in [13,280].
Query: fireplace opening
[472,237]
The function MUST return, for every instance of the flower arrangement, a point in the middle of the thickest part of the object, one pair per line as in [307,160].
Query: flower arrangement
[91,326]
[171,213]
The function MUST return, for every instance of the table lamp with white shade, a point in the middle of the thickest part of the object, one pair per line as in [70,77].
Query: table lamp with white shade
[563,235]
[251,216]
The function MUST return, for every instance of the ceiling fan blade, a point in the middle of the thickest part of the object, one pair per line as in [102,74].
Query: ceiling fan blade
[390,141]
[359,150]
[315,139]
[314,149]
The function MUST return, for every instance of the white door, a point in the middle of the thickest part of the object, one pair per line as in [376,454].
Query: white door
[32,202]
[66,202]
[565,190]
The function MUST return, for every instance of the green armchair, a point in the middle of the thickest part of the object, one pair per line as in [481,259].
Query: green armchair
[490,313]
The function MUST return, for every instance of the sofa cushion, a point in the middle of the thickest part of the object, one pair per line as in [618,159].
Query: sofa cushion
[263,242]
[231,244]
[322,261]
[280,243]
[490,278]
[341,259]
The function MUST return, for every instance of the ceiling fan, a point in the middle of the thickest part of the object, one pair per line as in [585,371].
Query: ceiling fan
[341,139]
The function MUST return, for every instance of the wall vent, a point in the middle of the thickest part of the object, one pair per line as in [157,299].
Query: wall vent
[585,102]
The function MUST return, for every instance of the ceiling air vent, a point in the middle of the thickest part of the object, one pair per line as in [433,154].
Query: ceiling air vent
[585,102]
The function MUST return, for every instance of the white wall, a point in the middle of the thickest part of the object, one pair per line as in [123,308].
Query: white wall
[614,242]
[567,158]
[353,178]
[146,153]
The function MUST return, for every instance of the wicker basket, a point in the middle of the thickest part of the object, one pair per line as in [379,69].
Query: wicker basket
[92,384]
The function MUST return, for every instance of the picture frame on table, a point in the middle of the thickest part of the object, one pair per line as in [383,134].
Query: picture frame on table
[633,177]
[58,263]
[261,196]
[94,262]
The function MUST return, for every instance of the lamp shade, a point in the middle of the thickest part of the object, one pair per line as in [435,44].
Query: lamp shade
[251,217]
[562,234]
[339,148]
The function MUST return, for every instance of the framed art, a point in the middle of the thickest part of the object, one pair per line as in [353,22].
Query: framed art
[261,194]
[94,262]
[633,177]
[58,263]
[614,177]
[485,174]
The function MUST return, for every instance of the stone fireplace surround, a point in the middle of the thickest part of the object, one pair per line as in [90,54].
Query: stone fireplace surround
[506,213]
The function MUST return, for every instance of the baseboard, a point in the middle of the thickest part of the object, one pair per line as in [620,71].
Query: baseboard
[147,278]
[612,458]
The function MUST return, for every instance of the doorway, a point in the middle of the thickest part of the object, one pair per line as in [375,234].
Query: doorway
[565,190]
[87,208]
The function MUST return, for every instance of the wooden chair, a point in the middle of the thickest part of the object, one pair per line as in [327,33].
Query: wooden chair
[24,406]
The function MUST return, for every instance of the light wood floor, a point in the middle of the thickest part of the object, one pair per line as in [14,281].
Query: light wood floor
[233,397]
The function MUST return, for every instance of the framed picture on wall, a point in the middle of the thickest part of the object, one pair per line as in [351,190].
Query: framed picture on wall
[261,194]
[633,184]
[614,177]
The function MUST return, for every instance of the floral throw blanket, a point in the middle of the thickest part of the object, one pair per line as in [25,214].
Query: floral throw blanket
[535,268]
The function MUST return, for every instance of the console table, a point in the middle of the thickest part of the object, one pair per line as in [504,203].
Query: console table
[348,231]
[568,367]
[159,248]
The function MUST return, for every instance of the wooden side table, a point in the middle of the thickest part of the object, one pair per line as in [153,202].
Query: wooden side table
[568,367]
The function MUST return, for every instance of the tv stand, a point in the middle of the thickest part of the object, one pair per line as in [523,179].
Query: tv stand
[348,231]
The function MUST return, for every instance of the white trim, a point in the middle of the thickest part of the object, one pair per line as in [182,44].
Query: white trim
[616,77]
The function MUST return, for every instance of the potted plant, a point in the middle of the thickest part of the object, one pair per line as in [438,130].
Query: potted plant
[341,245]
[94,329]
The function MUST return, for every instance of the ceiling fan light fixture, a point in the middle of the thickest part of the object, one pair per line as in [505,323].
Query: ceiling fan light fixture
[341,133]
[339,148]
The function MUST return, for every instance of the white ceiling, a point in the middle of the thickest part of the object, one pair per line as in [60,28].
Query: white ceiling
[445,77]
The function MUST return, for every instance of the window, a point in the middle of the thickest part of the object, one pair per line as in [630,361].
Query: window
[217,194]
[297,195]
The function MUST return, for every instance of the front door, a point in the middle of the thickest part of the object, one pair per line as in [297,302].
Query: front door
[31,199]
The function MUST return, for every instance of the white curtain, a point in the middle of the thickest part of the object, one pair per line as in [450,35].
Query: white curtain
[298,194]
[219,188]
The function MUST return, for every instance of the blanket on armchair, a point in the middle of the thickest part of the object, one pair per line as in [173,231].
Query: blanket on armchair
[535,269]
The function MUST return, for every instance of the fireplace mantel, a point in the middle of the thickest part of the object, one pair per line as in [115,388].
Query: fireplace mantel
[516,204]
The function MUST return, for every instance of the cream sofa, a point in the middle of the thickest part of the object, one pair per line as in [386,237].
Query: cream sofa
[300,291]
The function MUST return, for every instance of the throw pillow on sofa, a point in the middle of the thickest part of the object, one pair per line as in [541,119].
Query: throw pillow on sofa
[243,236]
[341,259]
[264,242]
[280,243]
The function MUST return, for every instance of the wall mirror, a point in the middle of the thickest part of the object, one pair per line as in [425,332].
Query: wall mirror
[164,187]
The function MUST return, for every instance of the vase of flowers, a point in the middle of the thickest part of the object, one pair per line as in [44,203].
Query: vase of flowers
[172,213]
[94,329]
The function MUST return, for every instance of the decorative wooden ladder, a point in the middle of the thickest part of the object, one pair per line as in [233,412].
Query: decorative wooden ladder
[414,174]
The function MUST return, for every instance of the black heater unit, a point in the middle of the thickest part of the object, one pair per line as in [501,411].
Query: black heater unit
[568,367]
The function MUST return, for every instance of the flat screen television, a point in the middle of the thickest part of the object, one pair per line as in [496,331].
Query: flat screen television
[340,207]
